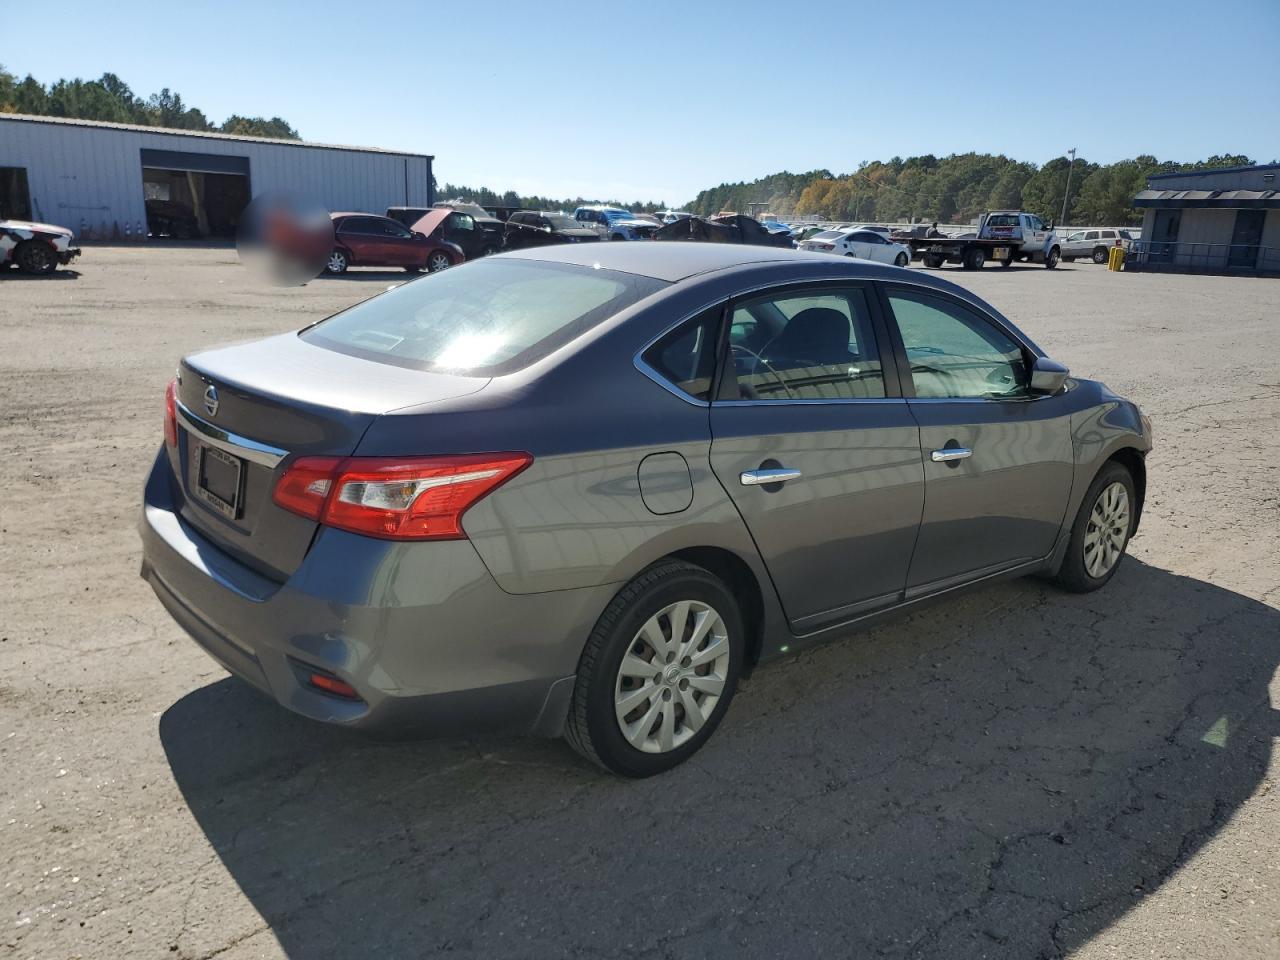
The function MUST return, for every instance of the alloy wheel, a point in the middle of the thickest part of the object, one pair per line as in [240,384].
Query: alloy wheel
[337,262]
[672,676]
[438,262]
[1107,530]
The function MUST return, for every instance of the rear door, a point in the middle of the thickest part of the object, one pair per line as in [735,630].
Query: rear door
[998,459]
[818,451]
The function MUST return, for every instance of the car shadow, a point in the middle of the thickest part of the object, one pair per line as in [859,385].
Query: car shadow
[372,274]
[62,273]
[1003,774]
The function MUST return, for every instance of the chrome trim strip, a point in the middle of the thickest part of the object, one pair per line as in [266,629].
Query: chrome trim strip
[232,443]
[797,401]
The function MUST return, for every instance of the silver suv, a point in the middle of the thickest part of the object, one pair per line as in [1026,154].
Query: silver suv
[1095,244]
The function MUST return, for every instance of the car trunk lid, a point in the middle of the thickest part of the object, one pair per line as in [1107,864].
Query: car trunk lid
[246,411]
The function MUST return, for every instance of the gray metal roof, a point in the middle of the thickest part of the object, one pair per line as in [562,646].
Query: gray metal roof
[1212,171]
[202,134]
[1231,199]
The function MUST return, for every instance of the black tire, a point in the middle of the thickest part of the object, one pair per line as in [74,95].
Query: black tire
[974,258]
[1051,258]
[933,263]
[1069,259]
[1073,575]
[35,257]
[901,260]
[592,726]
[1008,261]
[338,262]
[1100,254]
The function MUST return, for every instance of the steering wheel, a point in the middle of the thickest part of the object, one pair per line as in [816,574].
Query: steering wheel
[757,362]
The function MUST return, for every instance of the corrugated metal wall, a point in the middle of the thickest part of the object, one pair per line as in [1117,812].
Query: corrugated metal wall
[93,175]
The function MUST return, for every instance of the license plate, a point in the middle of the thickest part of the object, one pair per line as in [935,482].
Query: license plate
[1000,253]
[219,480]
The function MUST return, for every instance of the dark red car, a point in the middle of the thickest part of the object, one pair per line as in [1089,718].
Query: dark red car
[367,240]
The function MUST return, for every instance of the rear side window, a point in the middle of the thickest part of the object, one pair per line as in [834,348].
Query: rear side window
[686,357]
[486,318]
[805,346]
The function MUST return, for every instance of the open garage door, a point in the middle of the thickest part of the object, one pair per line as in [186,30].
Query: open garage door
[15,198]
[194,195]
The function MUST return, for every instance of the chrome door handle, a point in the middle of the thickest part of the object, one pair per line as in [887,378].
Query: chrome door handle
[947,454]
[752,478]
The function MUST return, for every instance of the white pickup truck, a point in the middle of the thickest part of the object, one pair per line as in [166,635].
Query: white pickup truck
[1006,236]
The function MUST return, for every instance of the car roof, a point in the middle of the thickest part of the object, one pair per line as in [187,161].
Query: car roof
[356,213]
[671,261]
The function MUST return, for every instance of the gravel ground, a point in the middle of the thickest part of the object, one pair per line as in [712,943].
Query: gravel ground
[1014,773]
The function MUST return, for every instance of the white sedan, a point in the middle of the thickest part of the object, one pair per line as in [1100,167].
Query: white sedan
[861,243]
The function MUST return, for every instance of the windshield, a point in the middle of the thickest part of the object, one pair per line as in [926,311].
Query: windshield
[619,215]
[559,221]
[485,318]
[828,235]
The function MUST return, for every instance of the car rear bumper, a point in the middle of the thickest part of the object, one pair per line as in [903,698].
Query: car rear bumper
[421,631]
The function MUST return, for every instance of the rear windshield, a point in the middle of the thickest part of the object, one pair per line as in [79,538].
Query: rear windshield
[486,318]
[827,235]
[1003,220]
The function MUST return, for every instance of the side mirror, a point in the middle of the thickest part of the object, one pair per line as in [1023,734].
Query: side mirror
[1048,376]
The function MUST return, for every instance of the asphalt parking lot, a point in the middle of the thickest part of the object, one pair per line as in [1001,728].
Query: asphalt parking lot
[1014,773]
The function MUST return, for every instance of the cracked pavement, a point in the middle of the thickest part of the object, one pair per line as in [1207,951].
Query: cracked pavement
[1016,772]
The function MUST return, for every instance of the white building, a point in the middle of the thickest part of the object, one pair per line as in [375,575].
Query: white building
[96,177]
[1213,221]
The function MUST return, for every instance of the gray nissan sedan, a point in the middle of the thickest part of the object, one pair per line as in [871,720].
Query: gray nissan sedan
[581,490]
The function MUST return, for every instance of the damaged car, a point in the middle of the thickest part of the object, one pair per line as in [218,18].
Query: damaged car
[36,248]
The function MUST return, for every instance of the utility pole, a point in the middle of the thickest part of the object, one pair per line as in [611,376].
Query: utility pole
[1067,194]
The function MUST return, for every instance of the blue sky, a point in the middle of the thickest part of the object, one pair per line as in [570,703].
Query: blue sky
[657,100]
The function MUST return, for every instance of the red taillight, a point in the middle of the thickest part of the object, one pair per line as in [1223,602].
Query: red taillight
[171,413]
[421,498]
[305,486]
[329,684]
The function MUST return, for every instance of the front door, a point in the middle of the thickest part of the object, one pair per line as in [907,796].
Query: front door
[998,460]
[1246,238]
[818,452]
[1164,236]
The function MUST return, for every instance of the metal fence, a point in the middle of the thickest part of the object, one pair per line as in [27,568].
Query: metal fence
[1159,256]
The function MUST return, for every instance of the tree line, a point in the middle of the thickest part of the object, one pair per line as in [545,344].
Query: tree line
[109,98]
[492,198]
[955,189]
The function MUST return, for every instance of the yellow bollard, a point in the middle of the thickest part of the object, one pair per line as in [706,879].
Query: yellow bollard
[1115,259]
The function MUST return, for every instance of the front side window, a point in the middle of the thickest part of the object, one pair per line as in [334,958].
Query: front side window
[1091,235]
[955,352]
[487,318]
[805,346]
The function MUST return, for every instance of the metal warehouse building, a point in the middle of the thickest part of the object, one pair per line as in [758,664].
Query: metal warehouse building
[1211,221]
[96,178]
